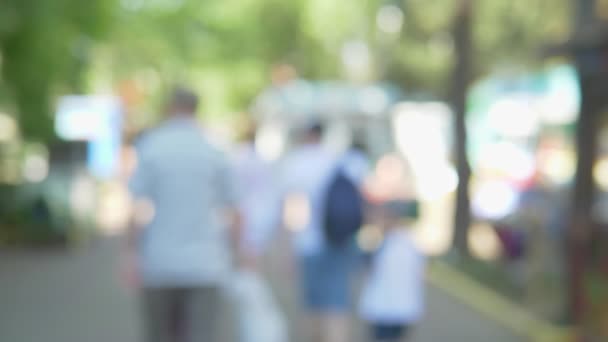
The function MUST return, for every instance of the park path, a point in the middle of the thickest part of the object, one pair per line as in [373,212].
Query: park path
[76,296]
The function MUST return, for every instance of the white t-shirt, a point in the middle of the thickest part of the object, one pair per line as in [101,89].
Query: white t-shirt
[258,197]
[394,292]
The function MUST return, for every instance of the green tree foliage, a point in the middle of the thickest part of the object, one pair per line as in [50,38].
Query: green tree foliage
[226,48]
[44,49]
[507,35]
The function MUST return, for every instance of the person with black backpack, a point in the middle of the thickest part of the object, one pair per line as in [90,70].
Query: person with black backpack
[324,240]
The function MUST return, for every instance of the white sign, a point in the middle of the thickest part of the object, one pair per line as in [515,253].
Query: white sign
[85,118]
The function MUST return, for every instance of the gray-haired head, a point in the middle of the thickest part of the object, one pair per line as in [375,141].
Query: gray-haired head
[183,101]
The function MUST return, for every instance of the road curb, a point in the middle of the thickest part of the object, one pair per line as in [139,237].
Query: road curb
[495,306]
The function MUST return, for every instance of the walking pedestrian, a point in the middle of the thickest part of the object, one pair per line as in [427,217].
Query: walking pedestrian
[181,254]
[325,269]
[260,319]
[392,301]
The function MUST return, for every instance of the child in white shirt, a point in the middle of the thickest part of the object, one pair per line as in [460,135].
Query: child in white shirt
[393,296]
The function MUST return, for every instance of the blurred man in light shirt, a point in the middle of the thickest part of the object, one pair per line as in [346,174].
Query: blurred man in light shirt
[181,255]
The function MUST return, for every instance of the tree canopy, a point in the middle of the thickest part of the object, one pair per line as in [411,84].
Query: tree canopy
[227,48]
[44,48]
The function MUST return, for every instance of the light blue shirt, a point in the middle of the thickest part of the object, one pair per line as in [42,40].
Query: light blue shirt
[307,172]
[188,182]
[356,166]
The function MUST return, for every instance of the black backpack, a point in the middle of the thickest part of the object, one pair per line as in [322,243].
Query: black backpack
[343,210]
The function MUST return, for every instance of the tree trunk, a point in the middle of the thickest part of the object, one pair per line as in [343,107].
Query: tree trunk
[592,83]
[461,77]
[581,228]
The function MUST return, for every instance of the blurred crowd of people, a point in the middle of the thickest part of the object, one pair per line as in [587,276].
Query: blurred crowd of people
[204,218]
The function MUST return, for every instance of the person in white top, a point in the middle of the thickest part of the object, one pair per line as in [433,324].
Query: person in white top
[392,301]
[258,195]
[258,315]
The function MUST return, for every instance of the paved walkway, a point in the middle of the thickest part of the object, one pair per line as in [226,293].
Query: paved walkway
[75,296]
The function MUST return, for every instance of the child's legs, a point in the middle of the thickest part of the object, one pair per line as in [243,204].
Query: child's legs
[382,332]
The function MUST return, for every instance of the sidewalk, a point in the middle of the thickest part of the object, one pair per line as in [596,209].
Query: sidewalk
[75,296]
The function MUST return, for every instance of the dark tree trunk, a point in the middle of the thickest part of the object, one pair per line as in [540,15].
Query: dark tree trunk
[461,77]
[593,90]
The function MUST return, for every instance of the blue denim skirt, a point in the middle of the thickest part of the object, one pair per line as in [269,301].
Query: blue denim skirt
[325,279]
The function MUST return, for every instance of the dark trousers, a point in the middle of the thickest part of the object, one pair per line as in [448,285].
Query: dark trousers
[181,314]
[389,332]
